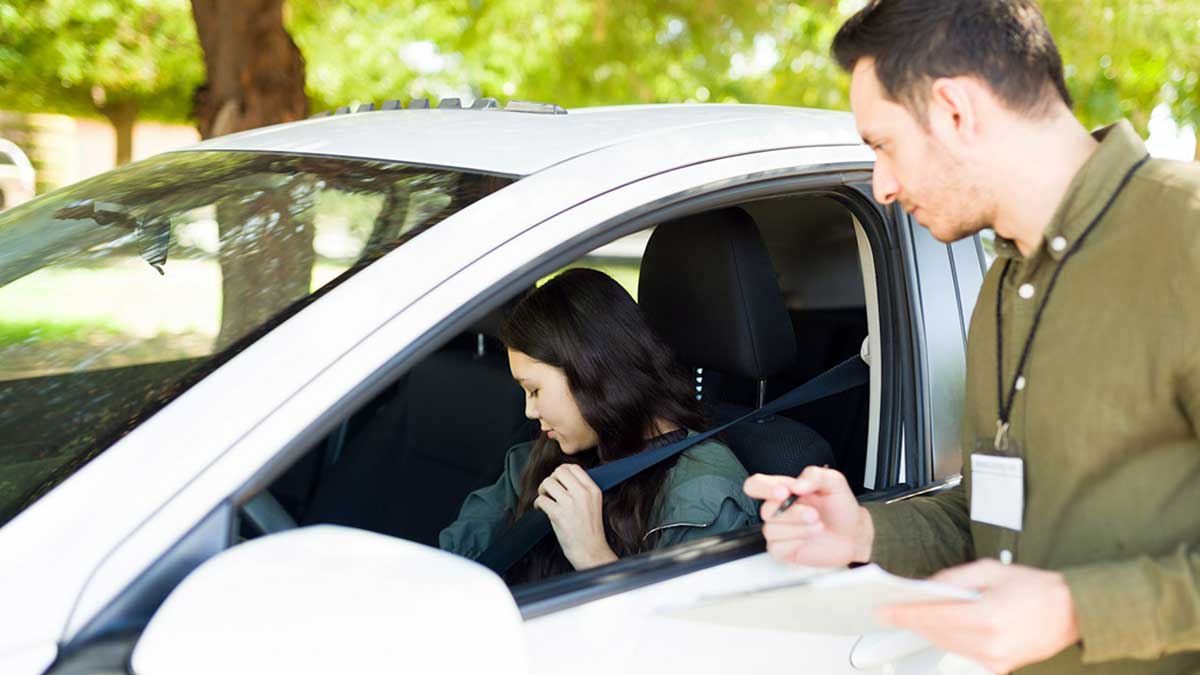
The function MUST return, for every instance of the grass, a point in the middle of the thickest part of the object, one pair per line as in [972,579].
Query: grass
[17,332]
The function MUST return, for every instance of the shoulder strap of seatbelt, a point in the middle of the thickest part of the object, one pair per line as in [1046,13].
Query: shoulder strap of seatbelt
[531,527]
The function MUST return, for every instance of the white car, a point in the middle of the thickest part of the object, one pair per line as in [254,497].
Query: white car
[245,384]
[16,176]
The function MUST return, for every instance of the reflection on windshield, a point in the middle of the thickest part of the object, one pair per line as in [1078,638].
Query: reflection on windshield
[120,292]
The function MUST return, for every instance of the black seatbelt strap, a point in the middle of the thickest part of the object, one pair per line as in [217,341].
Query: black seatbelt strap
[534,525]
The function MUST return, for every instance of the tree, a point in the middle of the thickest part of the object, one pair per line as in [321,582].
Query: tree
[121,59]
[255,77]
[255,73]
[1123,57]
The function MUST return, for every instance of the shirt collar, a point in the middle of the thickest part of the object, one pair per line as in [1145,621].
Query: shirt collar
[1101,175]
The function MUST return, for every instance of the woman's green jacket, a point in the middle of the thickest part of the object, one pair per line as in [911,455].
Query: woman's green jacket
[702,496]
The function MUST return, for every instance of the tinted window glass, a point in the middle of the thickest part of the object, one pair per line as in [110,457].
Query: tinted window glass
[119,293]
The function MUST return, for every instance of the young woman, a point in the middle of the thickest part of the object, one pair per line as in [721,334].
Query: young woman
[601,386]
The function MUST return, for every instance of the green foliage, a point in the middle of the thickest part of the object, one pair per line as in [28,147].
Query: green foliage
[77,56]
[1123,57]
[571,52]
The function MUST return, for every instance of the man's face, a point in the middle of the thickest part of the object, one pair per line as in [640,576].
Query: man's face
[914,167]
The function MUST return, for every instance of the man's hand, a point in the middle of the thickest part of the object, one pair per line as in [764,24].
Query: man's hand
[825,527]
[1023,616]
[573,502]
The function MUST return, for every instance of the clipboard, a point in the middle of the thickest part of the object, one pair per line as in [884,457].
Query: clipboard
[837,603]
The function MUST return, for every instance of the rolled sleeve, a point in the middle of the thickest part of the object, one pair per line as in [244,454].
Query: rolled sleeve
[1137,609]
[923,535]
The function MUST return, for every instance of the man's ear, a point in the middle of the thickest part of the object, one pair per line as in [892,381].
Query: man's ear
[953,111]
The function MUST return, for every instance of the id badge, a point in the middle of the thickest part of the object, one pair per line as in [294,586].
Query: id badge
[997,490]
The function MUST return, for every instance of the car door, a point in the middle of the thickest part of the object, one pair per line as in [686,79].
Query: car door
[623,622]
[235,477]
[613,618]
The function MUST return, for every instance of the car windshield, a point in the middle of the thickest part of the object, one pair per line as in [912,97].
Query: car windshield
[120,292]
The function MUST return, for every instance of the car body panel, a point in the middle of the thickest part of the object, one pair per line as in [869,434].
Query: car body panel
[17,175]
[635,632]
[229,473]
[583,176]
[521,144]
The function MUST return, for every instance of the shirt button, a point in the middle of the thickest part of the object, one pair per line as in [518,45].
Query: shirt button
[1021,383]
[1026,291]
[1058,244]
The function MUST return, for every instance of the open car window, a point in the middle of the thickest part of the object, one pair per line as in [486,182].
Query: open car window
[120,292]
[404,463]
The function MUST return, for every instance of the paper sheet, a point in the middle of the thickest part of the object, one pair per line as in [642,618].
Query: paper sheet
[840,603]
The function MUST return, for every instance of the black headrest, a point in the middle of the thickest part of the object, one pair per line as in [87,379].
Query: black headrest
[489,324]
[707,286]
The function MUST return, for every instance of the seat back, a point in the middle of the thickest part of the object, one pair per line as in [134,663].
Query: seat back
[708,288]
[443,434]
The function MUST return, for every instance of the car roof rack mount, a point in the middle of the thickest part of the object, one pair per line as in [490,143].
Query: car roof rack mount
[481,103]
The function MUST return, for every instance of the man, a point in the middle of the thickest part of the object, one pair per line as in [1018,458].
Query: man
[1080,439]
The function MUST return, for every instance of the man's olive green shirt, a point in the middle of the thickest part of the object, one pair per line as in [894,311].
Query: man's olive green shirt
[1108,421]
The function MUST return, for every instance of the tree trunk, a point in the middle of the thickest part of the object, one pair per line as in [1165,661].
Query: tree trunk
[122,115]
[255,71]
[255,77]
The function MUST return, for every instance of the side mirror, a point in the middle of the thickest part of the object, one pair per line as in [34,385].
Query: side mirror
[329,599]
[900,652]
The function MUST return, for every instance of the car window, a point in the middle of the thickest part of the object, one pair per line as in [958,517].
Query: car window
[987,237]
[405,465]
[621,260]
[119,293]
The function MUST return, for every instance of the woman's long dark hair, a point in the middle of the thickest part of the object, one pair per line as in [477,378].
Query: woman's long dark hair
[623,378]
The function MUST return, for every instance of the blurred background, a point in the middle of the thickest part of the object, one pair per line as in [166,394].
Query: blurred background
[86,85]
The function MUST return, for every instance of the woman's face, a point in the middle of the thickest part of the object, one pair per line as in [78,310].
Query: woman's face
[548,400]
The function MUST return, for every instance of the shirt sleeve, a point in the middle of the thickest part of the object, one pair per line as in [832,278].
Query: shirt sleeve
[1141,608]
[923,535]
[487,512]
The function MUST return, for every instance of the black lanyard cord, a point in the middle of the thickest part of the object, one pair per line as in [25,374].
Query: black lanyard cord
[1005,403]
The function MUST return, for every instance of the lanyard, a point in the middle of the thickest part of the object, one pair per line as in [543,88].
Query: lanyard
[1005,403]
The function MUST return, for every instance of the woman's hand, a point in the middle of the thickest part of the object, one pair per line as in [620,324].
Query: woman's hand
[573,502]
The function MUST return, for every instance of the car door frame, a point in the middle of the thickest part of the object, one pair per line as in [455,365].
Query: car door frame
[261,454]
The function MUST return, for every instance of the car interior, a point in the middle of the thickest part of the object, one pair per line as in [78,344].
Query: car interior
[754,299]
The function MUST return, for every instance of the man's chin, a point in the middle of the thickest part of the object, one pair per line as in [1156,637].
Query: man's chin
[950,233]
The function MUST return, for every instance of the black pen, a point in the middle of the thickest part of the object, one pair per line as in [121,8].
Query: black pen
[784,506]
[791,499]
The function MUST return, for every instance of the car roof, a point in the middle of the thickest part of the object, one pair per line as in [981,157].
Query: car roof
[521,143]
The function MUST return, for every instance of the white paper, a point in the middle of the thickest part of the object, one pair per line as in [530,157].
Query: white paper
[997,490]
[839,603]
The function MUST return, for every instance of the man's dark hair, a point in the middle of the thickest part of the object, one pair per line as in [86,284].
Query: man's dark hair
[1004,43]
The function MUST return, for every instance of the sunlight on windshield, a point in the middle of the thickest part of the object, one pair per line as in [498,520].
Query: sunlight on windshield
[119,293]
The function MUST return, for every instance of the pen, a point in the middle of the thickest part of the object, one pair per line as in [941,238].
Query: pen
[784,506]
[791,499]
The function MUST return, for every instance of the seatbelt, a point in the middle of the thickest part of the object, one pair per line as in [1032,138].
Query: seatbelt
[534,525]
